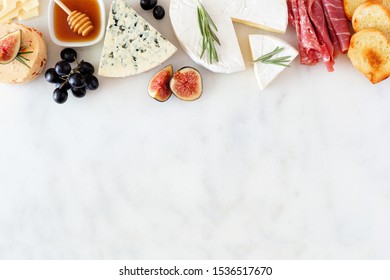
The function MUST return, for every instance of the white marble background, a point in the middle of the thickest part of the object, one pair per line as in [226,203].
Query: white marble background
[299,171]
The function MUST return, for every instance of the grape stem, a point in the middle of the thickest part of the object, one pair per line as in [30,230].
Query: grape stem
[66,77]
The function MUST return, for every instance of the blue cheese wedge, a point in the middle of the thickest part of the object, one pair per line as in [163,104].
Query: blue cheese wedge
[132,45]
[270,15]
[262,45]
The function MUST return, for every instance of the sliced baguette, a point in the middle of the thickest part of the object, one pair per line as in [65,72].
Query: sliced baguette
[372,14]
[370,54]
[351,5]
[385,3]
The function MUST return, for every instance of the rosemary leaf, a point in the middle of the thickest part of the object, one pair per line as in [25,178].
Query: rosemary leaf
[18,58]
[22,57]
[209,18]
[200,22]
[215,37]
[204,43]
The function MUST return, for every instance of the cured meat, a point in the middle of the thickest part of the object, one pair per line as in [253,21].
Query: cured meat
[317,16]
[309,47]
[333,36]
[322,30]
[338,21]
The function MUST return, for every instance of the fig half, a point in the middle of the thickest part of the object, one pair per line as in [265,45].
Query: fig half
[10,46]
[186,84]
[159,85]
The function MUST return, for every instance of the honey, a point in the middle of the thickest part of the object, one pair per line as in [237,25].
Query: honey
[61,28]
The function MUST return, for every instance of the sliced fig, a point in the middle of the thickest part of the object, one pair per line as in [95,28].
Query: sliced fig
[10,46]
[159,85]
[187,84]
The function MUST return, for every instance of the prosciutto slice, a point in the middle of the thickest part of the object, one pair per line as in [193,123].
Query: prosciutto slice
[322,30]
[317,17]
[309,47]
[338,21]
[333,36]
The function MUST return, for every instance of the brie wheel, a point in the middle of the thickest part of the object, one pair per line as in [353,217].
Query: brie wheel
[268,15]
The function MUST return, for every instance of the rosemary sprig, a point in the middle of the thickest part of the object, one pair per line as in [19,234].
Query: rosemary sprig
[208,30]
[23,59]
[24,52]
[268,58]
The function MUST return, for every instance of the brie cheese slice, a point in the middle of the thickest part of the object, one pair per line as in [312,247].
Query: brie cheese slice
[269,15]
[263,44]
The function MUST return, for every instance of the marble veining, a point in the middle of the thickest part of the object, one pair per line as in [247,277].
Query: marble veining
[298,171]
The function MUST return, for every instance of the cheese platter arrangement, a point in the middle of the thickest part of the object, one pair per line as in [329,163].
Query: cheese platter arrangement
[131,45]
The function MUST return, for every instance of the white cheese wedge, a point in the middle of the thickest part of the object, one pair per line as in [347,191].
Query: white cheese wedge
[7,6]
[132,45]
[23,10]
[269,15]
[27,14]
[263,44]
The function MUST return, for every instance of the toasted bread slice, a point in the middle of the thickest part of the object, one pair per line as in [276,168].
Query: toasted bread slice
[370,54]
[372,14]
[385,3]
[351,5]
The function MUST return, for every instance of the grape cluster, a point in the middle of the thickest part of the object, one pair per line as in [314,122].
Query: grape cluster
[78,79]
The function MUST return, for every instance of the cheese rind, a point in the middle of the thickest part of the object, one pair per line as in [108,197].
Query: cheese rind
[266,14]
[263,44]
[132,45]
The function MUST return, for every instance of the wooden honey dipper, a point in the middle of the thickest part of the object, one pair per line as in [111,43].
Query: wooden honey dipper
[78,22]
